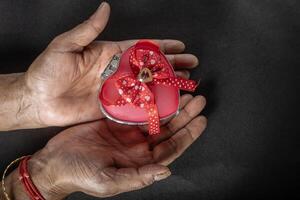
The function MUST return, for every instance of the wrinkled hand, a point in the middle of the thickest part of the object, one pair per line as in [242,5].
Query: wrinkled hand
[63,81]
[104,158]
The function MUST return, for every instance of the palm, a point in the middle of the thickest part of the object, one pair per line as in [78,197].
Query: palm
[100,145]
[67,86]
[97,152]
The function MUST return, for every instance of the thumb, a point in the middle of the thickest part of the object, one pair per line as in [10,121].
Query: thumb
[128,179]
[83,34]
[136,178]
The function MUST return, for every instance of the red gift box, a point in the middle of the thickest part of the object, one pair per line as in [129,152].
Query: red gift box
[140,87]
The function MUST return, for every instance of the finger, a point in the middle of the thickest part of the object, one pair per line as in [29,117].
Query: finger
[166,45]
[129,179]
[188,112]
[184,100]
[180,61]
[167,151]
[84,33]
[157,138]
[183,74]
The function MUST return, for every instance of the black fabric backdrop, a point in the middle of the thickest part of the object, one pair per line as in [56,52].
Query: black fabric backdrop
[248,66]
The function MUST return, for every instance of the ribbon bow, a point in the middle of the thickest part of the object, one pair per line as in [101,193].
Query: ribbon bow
[149,67]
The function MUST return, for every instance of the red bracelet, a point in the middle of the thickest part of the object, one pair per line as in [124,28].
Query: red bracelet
[30,188]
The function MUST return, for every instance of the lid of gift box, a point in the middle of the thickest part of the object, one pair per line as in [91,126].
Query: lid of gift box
[165,97]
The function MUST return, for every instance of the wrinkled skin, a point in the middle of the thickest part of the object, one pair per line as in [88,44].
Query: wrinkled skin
[104,158]
[63,82]
[100,158]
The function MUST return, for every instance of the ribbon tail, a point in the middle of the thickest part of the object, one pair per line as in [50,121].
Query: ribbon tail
[180,83]
[153,120]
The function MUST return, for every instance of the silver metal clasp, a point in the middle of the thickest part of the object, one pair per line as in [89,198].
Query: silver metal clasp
[111,67]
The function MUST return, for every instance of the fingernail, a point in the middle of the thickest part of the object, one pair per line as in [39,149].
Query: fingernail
[162,176]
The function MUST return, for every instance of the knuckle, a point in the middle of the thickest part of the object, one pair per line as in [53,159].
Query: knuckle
[92,26]
[56,42]
[173,145]
[146,182]
[189,133]
[57,39]
[107,189]
[170,127]
[187,112]
[171,59]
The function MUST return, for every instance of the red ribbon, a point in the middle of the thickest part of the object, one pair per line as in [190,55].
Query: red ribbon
[135,91]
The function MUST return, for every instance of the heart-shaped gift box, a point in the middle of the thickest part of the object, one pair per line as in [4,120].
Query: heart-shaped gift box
[140,87]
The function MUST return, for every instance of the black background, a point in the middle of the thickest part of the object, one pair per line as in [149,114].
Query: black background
[248,54]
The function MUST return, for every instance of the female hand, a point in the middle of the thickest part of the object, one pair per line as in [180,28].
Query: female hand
[63,82]
[104,158]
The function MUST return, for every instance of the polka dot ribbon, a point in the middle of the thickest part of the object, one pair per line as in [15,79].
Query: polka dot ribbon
[148,68]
